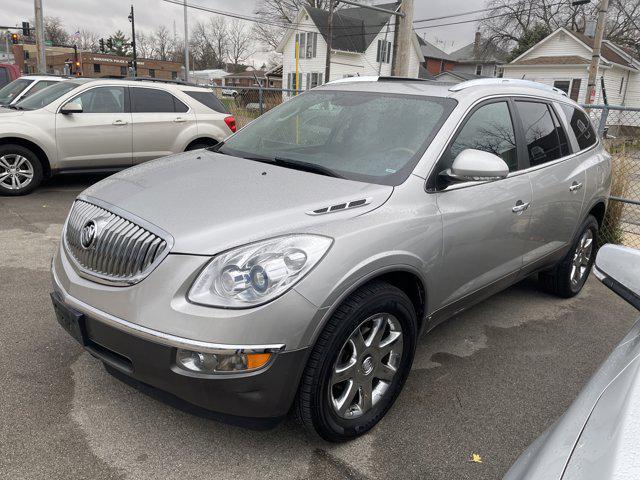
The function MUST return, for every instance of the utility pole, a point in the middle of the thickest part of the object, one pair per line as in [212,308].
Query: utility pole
[186,44]
[597,46]
[327,68]
[41,57]
[404,39]
[134,64]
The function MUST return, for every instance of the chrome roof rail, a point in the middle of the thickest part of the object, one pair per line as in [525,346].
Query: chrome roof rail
[368,78]
[516,82]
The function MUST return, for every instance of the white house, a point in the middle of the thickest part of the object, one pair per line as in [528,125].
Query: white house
[562,59]
[482,58]
[362,44]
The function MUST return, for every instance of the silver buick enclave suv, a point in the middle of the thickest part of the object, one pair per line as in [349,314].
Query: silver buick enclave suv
[296,264]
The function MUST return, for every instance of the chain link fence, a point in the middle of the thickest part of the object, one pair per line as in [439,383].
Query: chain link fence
[620,128]
[248,103]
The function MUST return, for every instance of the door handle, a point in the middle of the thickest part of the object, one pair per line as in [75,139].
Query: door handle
[119,122]
[520,207]
[575,186]
[179,120]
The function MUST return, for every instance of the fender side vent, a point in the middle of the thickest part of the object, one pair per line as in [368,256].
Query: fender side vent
[340,206]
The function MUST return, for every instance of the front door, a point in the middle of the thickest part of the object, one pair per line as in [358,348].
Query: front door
[99,136]
[159,119]
[484,225]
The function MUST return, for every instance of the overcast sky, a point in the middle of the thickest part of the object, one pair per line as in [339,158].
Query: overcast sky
[105,17]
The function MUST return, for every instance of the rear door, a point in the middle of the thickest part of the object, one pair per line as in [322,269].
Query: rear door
[99,136]
[159,119]
[558,180]
[485,225]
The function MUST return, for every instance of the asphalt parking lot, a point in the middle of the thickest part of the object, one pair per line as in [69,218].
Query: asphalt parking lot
[488,382]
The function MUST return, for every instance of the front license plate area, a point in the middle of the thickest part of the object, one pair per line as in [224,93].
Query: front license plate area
[71,320]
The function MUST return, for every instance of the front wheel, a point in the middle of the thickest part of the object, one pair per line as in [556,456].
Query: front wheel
[20,170]
[359,363]
[569,276]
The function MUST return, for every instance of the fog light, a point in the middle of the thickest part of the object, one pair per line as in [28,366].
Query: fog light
[233,361]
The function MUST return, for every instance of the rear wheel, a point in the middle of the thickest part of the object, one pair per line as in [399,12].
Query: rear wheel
[20,170]
[359,364]
[569,276]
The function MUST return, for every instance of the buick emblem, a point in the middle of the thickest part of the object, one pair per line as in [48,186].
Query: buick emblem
[89,234]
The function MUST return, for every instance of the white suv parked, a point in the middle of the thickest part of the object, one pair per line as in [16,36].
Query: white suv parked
[26,86]
[104,125]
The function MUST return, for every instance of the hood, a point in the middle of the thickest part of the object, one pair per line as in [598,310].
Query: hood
[210,202]
[10,112]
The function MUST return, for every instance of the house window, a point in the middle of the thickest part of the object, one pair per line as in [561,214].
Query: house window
[479,69]
[123,71]
[307,44]
[384,51]
[152,73]
[292,84]
[442,65]
[96,68]
[313,80]
[174,75]
[563,85]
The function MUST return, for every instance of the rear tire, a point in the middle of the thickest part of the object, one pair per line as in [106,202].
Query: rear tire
[370,340]
[20,170]
[568,277]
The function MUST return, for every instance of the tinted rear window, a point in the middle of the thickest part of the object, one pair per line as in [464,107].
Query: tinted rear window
[208,99]
[543,143]
[151,100]
[581,126]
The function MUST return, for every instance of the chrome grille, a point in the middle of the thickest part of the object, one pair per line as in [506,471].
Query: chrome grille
[120,251]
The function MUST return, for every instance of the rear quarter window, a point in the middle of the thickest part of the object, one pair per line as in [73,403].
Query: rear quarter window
[208,99]
[581,126]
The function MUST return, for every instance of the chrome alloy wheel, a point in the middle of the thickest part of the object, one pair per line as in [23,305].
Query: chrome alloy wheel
[16,171]
[581,258]
[366,366]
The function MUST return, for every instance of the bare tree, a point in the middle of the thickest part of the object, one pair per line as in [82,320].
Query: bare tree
[144,45]
[509,21]
[55,32]
[163,44]
[240,42]
[88,41]
[218,31]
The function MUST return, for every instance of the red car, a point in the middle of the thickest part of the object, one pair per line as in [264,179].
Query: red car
[8,73]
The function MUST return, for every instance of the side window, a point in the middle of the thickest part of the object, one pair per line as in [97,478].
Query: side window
[565,149]
[540,133]
[151,100]
[489,129]
[581,126]
[102,100]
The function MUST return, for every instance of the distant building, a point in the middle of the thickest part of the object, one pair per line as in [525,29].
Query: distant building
[435,60]
[456,77]
[61,61]
[562,60]
[362,44]
[482,58]
[208,77]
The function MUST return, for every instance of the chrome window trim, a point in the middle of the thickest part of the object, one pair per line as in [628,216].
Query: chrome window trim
[106,279]
[506,96]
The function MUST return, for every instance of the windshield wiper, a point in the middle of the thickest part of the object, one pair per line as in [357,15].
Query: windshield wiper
[13,107]
[306,167]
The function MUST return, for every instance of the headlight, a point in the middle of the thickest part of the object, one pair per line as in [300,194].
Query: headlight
[257,273]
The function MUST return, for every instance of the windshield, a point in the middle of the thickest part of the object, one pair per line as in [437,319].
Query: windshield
[367,136]
[10,91]
[46,96]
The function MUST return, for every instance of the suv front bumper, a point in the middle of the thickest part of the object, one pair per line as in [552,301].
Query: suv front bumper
[149,357]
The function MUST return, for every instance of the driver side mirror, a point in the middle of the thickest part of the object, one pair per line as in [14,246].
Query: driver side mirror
[71,107]
[617,267]
[476,166]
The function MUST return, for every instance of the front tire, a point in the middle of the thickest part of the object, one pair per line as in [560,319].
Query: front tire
[569,276]
[359,364]
[20,170]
